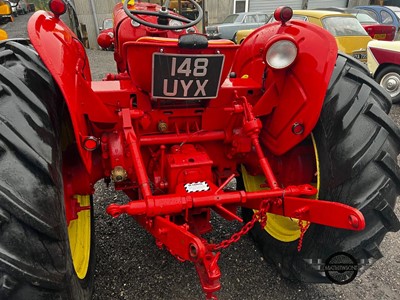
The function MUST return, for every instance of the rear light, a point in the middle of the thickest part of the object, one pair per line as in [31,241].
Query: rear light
[105,40]
[281,53]
[283,14]
[90,143]
[57,7]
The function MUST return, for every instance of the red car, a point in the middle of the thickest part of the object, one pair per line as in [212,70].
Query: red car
[374,29]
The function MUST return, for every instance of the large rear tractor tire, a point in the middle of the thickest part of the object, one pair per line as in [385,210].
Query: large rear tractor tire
[356,146]
[41,257]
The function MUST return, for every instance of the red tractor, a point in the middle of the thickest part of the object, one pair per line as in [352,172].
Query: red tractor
[283,127]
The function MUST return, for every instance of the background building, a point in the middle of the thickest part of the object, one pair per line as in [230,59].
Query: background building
[91,13]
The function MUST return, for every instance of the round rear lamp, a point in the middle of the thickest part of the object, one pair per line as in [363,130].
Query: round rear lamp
[57,7]
[283,14]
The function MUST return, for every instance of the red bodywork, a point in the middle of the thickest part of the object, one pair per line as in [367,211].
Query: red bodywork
[380,31]
[173,156]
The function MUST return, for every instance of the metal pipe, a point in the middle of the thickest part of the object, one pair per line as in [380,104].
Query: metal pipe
[96,23]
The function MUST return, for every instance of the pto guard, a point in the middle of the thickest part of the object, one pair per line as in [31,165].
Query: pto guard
[294,95]
[66,59]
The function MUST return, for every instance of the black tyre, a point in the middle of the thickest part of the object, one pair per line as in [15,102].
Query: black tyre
[356,146]
[389,79]
[36,261]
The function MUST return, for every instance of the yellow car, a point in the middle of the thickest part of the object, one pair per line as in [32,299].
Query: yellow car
[3,35]
[350,36]
[5,12]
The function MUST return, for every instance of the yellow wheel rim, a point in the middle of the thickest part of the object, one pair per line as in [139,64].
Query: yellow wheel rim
[281,228]
[79,233]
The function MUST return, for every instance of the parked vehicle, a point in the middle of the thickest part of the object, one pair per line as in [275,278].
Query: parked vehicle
[6,14]
[106,37]
[384,63]
[13,8]
[22,7]
[375,29]
[383,14]
[350,36]
[396,10]
[31,7]
[186,8]
[3,35]
[232,23]
[284,126]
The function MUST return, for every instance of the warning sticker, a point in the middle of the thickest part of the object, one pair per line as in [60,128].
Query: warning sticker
[200,186]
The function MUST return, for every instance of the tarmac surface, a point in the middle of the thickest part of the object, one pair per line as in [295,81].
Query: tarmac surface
[130,266]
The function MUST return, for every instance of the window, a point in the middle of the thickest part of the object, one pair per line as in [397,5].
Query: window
[343,26]
[250,19]
[372,13]
[365,18]
[386,18]
[262,18]
[240,6]
[230,19]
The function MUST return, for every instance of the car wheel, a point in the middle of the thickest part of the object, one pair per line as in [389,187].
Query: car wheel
[389,79]
[355,148]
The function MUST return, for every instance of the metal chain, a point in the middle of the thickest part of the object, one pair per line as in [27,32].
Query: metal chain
[303,229]
[260,216]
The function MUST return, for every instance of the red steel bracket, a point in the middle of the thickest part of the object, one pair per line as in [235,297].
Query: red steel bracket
[186,246]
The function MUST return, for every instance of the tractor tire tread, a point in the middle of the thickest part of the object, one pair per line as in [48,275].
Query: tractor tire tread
[35,260]
[353,121]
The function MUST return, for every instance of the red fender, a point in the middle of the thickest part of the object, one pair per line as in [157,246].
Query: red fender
[293,97]
[66,59]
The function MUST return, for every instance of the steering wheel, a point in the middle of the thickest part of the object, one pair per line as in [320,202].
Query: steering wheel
[163,17]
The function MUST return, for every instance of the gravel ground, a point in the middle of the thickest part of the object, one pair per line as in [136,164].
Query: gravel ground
[129,265]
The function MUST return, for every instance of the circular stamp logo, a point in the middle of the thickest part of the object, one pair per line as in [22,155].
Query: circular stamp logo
[341,268]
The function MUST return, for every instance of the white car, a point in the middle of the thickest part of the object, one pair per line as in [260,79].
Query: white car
[383,60]
[22,7]
[13,7]
[232,23]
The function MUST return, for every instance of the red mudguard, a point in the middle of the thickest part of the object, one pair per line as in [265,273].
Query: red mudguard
[65,58]
[293,96]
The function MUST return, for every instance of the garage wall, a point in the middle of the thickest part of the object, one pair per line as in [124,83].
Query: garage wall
[326,3]
[218,10]
[85,14]
[270,6]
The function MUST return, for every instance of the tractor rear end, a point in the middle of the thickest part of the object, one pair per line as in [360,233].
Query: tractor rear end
[281,128]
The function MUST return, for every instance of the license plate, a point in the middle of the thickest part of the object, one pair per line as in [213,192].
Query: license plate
[380,36]
[186,77]
[360,56]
